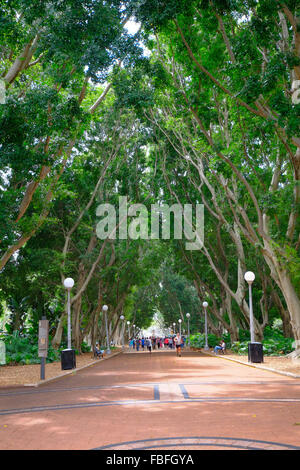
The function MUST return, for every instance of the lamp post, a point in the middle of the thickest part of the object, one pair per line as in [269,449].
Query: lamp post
[249,277]
[128,323]
[105,308]
[133,331]
[188,319]
[255,349]
[174,330]
[122,320]
[205,305]
[69,283]
[179,321]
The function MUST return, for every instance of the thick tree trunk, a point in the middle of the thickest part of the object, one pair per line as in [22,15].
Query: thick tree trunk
[56,341]
[286,321]
[292,301]
[17,321]
[282,277]
[234,331]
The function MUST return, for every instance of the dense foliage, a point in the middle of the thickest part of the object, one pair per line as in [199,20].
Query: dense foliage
[274,343]
[199,106]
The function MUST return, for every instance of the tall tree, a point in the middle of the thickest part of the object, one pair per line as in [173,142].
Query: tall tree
[234,67]
[54,56]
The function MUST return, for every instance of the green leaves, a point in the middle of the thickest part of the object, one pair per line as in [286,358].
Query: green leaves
[24,350]
[156,13]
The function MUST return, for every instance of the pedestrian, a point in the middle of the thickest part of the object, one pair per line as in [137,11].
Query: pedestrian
[178,344]
[143,343]
[131,344]
[97,351]
[137,344]
[166,342]
[220,347]
[149,344]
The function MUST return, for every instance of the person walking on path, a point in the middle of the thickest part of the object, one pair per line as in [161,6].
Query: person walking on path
[178,343]
[149,344]
[137,343]
[143,343]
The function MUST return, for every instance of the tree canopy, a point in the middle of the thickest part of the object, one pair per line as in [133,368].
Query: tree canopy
[200,106]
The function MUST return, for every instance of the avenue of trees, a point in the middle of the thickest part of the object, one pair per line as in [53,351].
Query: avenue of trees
[199,106]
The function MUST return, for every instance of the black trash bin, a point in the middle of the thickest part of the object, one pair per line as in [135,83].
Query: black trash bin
[255,352]
[68,359]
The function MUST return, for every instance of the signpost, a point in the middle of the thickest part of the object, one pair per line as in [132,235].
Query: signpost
[43,344]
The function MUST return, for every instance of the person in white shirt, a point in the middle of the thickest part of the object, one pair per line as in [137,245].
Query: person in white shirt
[148,344]
[178,343]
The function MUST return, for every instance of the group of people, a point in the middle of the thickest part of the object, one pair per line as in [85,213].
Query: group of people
[153,342]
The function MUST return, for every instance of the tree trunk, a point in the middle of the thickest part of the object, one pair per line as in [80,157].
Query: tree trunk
[56,341]
[293,303]
[286,321]
[234,331]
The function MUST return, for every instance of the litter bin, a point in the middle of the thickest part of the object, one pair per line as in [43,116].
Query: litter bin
[68,359]
[255,352]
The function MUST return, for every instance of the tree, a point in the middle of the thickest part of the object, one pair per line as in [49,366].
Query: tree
[231,68]
[64,50]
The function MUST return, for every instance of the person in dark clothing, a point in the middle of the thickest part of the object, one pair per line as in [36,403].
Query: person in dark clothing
[149,344]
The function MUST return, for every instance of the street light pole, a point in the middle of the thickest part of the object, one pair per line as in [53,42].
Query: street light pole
[122,319]
[105,308]
[179,321]
[188,319]
[205,305]
[174,330]
[128,323]
[255,349]
[249,277]
[69,283]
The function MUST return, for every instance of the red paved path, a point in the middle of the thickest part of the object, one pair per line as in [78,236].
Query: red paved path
[155,401]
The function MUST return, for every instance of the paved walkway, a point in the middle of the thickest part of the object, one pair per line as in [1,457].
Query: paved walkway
[155,401]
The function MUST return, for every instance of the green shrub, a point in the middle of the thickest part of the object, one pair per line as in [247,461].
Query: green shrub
[244,335]
[24,350]
[198,340]
[274,342]
[240,347]
[85,347]
[271,346]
